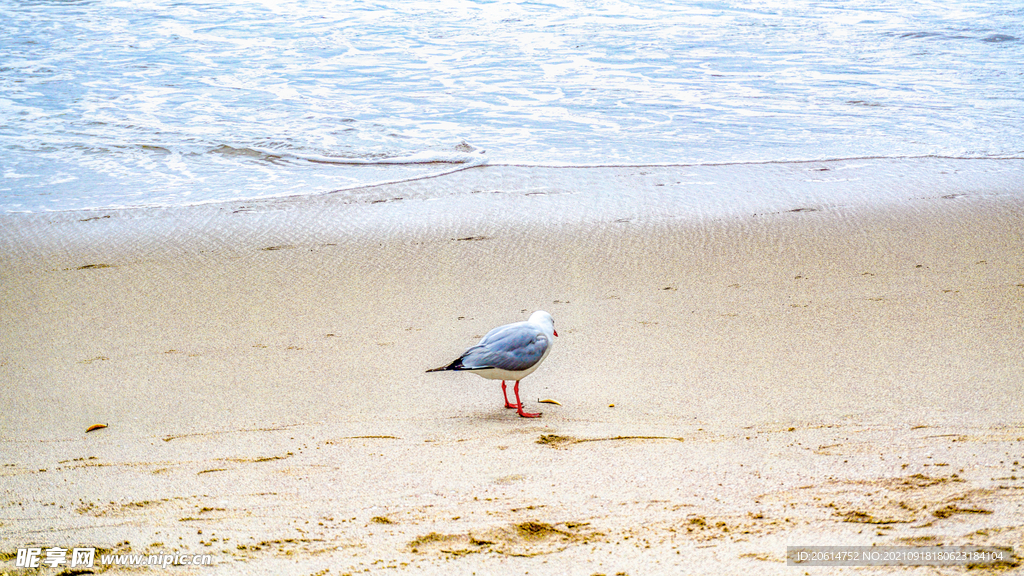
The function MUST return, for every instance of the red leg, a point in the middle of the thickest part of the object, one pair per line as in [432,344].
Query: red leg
[505,394]
[520,407]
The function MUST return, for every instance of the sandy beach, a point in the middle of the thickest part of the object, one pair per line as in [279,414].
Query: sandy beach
[732,379]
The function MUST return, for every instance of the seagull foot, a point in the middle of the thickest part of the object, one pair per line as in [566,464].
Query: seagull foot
[519,402]
[505,394]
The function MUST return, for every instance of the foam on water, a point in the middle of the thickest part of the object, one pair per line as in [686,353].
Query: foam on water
[169,103]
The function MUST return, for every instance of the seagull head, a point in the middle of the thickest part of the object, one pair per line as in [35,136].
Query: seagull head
[543,319]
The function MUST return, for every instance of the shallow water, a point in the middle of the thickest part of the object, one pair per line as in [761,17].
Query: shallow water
[168,103]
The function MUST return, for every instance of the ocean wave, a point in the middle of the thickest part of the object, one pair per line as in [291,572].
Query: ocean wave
[475,158]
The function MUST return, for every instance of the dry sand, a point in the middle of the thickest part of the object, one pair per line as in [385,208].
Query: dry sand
[841,374]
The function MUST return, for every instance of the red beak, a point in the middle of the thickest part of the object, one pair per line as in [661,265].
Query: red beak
[556,332]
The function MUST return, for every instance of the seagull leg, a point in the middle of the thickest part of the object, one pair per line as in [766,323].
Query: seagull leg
[520,407]
[505,394]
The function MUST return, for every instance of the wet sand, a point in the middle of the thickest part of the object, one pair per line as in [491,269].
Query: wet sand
[731,383]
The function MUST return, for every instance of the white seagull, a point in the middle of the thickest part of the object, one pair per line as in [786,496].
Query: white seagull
[510,352]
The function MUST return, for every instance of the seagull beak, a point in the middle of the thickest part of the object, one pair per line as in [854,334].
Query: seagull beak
[556,332]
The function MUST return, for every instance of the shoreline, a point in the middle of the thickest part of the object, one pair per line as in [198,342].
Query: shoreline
[540,167]
[514,195]
[827,364]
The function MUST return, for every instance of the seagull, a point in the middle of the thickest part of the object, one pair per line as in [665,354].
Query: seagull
[510,352]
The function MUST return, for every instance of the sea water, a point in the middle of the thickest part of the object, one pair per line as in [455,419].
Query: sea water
[152,102]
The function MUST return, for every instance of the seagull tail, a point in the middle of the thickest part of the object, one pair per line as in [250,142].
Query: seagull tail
[456,365]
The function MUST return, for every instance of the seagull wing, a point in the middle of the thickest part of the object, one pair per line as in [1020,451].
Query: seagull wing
[513,347]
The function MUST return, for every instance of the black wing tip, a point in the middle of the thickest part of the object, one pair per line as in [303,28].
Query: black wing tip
[456,365]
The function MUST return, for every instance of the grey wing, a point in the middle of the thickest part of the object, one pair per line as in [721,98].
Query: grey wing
[513,348]
[499,329]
